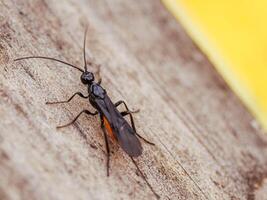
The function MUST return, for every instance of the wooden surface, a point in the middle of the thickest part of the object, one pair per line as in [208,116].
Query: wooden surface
[208,146]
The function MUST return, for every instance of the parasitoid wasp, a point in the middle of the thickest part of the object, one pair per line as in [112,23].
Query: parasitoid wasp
[113,123]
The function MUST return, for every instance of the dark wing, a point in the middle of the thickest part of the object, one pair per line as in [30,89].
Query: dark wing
[121,128]
[127,138]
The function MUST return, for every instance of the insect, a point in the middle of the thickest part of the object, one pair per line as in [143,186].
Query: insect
[113,123]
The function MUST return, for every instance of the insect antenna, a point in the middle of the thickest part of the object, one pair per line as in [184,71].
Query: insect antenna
[48,58]
[84,53]
[143,176]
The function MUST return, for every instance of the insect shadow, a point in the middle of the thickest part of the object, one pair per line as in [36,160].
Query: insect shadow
[113,123]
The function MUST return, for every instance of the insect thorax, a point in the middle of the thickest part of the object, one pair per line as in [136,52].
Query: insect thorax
[97,91]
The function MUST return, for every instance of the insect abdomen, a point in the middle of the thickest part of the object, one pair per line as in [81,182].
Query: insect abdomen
[109,129]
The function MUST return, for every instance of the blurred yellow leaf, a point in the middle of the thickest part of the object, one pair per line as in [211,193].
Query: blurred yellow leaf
[233,34]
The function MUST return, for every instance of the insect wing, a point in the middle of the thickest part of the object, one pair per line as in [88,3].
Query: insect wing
[127,138]
[121,128]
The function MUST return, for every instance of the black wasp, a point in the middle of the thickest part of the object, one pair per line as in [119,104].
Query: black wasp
[112,120]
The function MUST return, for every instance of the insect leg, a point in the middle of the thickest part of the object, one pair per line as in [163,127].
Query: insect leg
[77,93]
[99,81]
[133,126]
[148,142]
[84,111]
[106,142]
[98,74]
[125,113]
[128,112]
[123,102]
[143,176]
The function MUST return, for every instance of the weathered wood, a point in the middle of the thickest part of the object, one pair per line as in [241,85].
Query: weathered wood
[207,143]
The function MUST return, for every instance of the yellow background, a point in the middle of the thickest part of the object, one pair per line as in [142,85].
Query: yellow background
[233,34]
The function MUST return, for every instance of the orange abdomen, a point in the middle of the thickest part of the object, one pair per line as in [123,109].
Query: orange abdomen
[109,129]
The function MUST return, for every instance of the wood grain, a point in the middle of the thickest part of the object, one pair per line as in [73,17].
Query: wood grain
[208,146]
